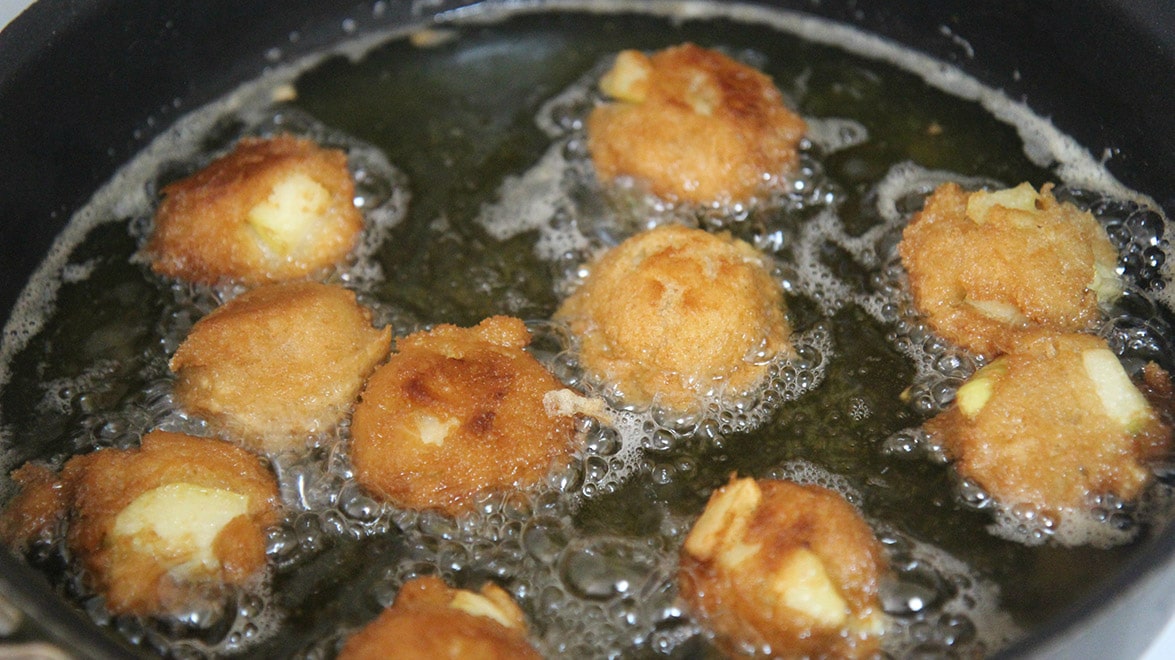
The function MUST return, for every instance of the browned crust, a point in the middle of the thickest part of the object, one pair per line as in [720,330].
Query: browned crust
[201,234]
[421,625]
[739,607]
[278,364]
[38,508]
[486,390]
[674,312]
[1043,270]
[94,488]
[681,153]
[1043,438]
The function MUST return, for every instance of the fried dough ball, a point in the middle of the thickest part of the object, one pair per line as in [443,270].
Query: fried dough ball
[432,620]
[157,526]
[458,411]
[692,124]
[278,364]
[674,313]
[271,210]
[784,570]
[1053,423]
[985,266]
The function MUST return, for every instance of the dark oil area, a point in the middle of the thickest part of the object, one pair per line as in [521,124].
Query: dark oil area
[104,330]
[457,119]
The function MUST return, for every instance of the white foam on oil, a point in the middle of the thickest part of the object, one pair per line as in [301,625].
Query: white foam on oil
[321,491]
[125,195]
[530,201]
[833,134]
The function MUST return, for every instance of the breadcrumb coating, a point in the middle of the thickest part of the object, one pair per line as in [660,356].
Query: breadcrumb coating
[692,124]
[455,412]
[278,364]
[675,313]
[271,210]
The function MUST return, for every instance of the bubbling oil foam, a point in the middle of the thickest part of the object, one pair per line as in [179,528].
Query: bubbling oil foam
[1133,328]
[562,199]
[588,586]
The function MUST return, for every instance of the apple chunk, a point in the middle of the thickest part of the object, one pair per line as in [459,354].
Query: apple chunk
[628,80]
[1106,283]
[724,519]
[1003,312]
[433,431]
[479,605]
[803,584]
[180,520]
[1021,198]
[1121,399]
[975,393]
[287,216]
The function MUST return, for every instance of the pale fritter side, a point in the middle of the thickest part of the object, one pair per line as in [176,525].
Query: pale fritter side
[673,314]
[790,571]
[1053,423]
[271,210]
[984,267]
[692,124]
[153,526]
[431,620]
[455,412]
[278,364]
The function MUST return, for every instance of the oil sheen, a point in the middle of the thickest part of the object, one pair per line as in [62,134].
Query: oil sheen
[467,143]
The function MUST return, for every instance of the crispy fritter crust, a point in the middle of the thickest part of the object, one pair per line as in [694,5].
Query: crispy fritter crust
[695,125]
[35,513]
[426,622]
[201,229]
[1044,438]
[673,313]
[1040,269]
[93,489]
[278,364]
[739,564]
[454,412]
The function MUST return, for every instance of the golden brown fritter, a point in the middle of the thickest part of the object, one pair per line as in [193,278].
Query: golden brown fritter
[278,364]
[33,515]
[674,313]
[271,210]
[986,266]
[692,124]
[457,411]
[1053,423]
[790,571]
[152,525]
[431,620]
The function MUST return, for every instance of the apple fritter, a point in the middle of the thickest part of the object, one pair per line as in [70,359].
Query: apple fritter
[673,315]
[156,528]
[692,124]
[459,411]
[271,210]
[431,620]
[1054,423]
[785,571]
[986,266]
[279,364]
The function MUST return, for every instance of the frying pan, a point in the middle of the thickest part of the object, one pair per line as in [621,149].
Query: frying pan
[85,84]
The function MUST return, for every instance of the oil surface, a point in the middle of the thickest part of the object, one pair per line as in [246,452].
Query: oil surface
[473,176]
